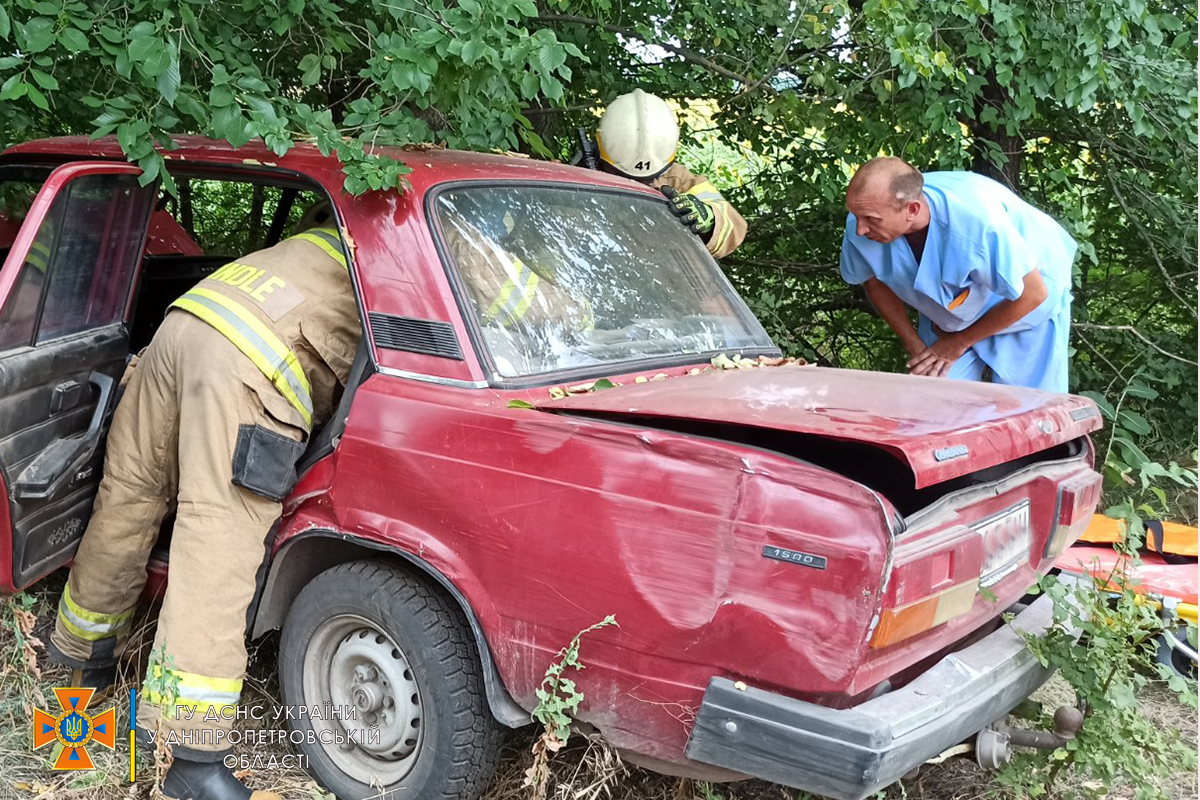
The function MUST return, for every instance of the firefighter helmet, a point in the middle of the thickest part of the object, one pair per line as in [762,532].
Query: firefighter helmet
[638,135]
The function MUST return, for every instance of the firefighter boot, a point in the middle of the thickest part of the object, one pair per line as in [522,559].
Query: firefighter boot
[207,780]
[102,679]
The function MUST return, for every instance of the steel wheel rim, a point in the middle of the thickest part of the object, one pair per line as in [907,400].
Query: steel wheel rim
[351,663]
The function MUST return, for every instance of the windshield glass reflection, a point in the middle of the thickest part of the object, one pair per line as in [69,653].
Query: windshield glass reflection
[562,278]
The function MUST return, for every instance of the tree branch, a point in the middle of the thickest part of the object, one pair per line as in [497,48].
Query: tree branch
[1148,239]
[683,52]
[1130,329]
[786,266]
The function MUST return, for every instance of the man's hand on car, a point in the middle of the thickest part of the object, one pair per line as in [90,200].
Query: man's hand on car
[692,211]
[936,359]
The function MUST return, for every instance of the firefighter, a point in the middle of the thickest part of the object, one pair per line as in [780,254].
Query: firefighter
[512,282]
[637,138]
[213,420]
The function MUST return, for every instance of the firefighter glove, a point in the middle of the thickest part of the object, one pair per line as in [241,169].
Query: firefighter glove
[692,212]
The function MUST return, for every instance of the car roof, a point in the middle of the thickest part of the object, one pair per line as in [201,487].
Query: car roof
[429,166]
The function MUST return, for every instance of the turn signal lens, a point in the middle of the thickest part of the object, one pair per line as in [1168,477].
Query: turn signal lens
[904,622]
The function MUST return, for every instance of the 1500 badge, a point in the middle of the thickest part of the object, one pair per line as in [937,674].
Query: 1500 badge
[947,453]
[794,557]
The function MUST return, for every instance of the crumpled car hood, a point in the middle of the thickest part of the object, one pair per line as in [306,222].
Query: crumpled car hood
[941,428]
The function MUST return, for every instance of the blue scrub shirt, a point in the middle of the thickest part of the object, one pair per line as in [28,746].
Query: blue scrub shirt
[982,241]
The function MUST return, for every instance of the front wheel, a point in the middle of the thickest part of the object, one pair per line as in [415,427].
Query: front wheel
[388,673]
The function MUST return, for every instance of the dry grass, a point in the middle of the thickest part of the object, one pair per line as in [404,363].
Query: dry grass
[586,769]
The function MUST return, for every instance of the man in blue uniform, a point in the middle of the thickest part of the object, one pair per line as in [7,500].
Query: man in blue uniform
[989,274]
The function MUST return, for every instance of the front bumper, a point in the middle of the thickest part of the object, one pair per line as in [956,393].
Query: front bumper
[851,753]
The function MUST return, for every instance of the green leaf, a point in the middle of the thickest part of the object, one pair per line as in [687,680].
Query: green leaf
[230,125]
[263,108]
[1160,494]
[471,50]
[529,85]
[602,383]
[1134,422]
[156,64]
[38,34]
[127,136]
[472,7]
[220,96]
[151,165]
[551,88]
[527,8]
[1141,390]
[168,82]
[551,57]
[43,79]
[520,404]
[38,98]
[310,67]
[1133,454]
[124,66]
[252,84]
[73,39]
[5,24]
[13,88]
[145,48]
[190,106]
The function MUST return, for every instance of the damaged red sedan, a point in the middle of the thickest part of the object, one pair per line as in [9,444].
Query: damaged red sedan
[808,565]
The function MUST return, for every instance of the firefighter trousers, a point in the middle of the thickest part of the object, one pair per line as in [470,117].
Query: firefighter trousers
[191,431]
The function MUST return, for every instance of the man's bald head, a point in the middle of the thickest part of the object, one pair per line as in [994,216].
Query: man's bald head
[887,178]
[885,198]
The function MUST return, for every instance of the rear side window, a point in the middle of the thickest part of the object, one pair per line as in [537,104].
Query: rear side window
[225,218]
[95,253]
[19,315]
[77,274]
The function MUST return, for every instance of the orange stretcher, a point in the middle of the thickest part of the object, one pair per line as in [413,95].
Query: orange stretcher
[1161,537]
[1167,575]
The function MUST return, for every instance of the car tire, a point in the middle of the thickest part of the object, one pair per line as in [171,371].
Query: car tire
[389,643]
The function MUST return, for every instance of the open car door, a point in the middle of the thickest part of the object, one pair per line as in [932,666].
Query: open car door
[65,289]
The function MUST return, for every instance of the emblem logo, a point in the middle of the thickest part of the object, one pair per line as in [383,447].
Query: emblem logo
[947,453]
[74,728]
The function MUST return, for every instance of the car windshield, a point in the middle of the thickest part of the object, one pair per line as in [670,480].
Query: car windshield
[562,278]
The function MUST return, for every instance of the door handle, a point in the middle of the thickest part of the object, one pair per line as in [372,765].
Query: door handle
[62,460]
[65,396]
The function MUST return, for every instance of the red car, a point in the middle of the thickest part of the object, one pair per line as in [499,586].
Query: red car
[808,565]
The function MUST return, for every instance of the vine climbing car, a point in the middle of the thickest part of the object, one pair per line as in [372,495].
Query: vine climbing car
[560,410]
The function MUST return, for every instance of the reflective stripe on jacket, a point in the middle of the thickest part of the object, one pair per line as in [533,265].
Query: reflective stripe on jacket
[328,240]
[273,358]
[513,300]
[290,309]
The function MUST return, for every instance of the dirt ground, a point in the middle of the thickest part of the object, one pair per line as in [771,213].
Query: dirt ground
[584,770]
